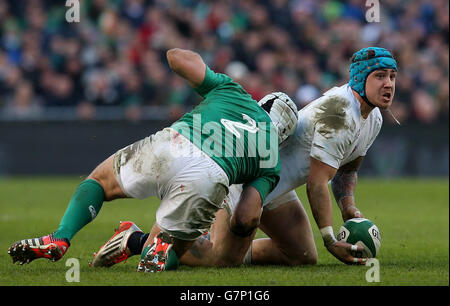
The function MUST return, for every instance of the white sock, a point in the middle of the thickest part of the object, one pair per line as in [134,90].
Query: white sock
[248,256]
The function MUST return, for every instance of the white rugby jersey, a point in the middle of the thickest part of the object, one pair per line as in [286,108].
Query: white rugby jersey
[330,129]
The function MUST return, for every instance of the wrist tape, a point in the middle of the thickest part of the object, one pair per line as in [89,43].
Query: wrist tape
[328,235]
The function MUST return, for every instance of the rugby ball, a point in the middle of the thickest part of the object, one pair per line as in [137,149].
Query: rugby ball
[361,231]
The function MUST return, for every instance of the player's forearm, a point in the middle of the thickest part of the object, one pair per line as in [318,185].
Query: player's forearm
[343,186]
[246,217]
[320,201]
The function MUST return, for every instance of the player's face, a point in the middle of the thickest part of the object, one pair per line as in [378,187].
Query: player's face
[380,87]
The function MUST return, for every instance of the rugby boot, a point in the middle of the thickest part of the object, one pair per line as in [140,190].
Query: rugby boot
[115,250]
[27,250]
[155,257]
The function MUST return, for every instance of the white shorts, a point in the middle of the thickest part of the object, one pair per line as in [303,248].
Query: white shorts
[232,199]
[190,185]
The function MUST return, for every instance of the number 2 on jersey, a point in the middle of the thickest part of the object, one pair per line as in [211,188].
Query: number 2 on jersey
[232,126]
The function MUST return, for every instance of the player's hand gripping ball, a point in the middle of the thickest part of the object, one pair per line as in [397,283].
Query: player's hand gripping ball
[363,232]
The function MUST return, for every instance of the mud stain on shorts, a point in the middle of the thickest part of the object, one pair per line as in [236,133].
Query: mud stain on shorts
[218,195]
[131,153]
[117,158]
[159,166]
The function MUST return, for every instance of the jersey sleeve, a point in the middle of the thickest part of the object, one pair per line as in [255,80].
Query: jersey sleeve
[264,185]
[211,81]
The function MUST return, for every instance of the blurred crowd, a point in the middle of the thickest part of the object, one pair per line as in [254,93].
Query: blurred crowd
[115,54]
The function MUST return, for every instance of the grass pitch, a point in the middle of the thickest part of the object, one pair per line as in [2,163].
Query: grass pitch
[412,215]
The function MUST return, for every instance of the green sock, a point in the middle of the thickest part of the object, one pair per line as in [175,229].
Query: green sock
[83,208]
[172,261]
[145,251]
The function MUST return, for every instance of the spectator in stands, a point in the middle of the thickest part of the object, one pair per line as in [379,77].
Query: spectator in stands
[23,104]
[298,46]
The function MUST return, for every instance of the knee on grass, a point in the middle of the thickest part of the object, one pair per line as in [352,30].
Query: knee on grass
[230,260]
[301,258]
[243,226]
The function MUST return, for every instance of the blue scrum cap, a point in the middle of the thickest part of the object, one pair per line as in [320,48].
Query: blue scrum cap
[364,62]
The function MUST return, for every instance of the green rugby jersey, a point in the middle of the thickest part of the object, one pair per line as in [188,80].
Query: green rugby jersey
[231,128]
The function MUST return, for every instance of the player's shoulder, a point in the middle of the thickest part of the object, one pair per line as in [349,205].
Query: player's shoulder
[337,102]
[218,76]
[214,81]
[343,95]
[336,99]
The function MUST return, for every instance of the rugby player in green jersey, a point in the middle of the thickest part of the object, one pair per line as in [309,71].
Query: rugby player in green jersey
[227,139]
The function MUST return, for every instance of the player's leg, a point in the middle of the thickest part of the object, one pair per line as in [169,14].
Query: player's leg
[142,169]
[127,241]
[177,230]
[163,252]
[83,207]
[229,248]
[105,175]
[222,249]
[189,202]
[290,242]
[228,240]
[101,185]
[206,251]
[130,241]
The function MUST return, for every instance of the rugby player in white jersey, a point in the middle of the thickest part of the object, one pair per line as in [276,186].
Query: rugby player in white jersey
[333,135]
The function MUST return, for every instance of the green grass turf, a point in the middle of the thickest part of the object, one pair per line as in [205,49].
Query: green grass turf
[412,215]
